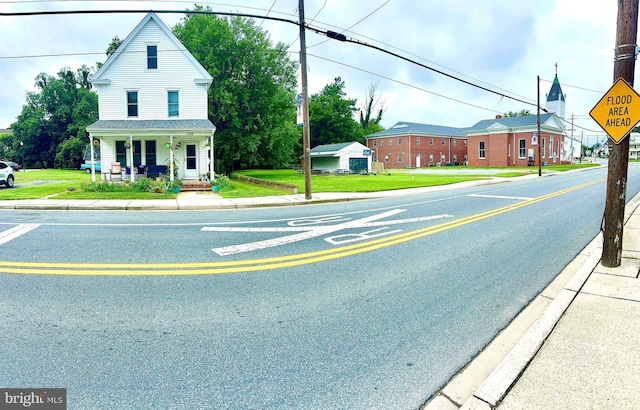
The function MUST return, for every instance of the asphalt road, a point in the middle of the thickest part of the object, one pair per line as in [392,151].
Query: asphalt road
[371,304]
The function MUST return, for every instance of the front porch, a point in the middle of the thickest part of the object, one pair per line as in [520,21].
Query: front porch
[182,149]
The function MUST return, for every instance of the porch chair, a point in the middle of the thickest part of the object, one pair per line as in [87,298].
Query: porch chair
[116,171]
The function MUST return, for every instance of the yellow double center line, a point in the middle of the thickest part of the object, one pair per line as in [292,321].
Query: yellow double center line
[210,268]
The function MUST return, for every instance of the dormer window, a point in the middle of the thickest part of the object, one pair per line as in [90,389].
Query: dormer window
[152,57]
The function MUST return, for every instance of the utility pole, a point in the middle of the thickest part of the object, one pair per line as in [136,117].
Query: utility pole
[306,140]
[571,149]
[623,67]
[539,136]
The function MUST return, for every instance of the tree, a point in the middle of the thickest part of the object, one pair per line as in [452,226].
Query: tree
[60,110]
[331,116]
[521,113]
[113,46]
[371,104]
[252,97]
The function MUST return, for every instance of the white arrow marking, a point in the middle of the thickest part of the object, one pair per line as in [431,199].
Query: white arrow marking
[309,232]
[15,232]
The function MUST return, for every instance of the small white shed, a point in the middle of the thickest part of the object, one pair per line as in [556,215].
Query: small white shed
[351,157]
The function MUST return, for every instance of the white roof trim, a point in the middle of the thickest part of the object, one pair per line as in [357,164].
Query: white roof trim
[98,77]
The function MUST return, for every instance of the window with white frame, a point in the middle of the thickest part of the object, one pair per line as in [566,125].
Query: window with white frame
[430,141]
[374,143]
[152,57]
[417,140]
[443,143]
[399,158]
[132,103]
[382,143]
[455,142]
[390,142]
[522,149]
[481,153]
[173,98]
[550,146]
[399,141]
[544,148]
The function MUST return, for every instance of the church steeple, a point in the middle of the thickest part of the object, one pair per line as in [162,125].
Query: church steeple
[556,98]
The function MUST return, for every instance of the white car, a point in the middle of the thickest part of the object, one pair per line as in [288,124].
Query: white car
[6,174]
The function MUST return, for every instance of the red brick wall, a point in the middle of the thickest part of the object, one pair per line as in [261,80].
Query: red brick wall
[407,149]
[503,150]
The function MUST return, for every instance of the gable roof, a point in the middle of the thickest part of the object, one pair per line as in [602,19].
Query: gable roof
[100,76]
[333,149]
[509,122]
[414,128]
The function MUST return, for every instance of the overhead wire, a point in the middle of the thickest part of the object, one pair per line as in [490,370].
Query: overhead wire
[328,33]
[355,24]
[268,11]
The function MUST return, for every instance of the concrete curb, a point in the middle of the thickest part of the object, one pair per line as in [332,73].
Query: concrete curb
[496,386]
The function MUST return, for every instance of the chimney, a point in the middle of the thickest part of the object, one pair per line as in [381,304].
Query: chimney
[498,116]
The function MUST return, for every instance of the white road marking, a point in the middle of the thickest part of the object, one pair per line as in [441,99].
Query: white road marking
[16,231]
[523,198]
[308,232]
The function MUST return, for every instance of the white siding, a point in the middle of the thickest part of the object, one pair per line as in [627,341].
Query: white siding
[129,72]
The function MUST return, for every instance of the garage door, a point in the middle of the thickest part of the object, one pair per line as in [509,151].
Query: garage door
[358,165]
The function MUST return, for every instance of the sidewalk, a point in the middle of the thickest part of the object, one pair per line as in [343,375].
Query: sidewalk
[576,346]
[210,200]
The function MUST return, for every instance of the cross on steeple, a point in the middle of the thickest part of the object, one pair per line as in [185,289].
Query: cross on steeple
[556,68]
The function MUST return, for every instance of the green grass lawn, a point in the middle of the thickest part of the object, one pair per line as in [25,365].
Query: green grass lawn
[399,178]
[67,184]
[359,183]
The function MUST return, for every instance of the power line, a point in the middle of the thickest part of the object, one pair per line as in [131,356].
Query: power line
[328,33]
[314,17]
[268,11]
[404,83]
[575,86]
[355,24]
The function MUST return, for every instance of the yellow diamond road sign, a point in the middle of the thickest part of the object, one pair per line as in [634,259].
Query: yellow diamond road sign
[618,111]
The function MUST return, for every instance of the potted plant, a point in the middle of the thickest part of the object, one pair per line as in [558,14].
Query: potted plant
[215,185]
[175,186]
[176,165]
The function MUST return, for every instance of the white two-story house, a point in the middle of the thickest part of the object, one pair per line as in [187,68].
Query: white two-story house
[152,96]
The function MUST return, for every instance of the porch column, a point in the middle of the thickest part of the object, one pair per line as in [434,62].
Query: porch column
[93,163]
[171,158]
[133,176]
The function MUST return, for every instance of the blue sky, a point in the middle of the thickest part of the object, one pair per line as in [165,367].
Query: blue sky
[499,44]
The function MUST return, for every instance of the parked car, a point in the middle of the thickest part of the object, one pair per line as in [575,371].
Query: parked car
[6,174]
[14,165]
[87,167]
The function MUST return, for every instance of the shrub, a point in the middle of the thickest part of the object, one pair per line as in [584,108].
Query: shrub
[99,186]
[141,185]
[223,182]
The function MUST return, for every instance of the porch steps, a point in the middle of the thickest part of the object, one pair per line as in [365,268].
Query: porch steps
[195,186]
